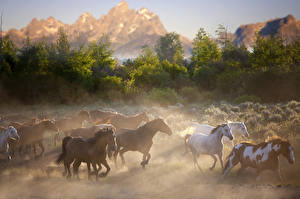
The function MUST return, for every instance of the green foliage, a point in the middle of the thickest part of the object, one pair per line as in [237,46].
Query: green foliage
[60,73]
[205,50]
[169,47]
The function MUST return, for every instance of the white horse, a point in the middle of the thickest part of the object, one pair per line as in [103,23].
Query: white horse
[210,144]
[235,127]
[10,132]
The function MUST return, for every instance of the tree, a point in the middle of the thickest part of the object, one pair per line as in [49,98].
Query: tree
[102,54]
[205,50]
[9,57]
[169,47]
[270,54]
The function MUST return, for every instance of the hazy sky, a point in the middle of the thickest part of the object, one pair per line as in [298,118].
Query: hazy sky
[182,16]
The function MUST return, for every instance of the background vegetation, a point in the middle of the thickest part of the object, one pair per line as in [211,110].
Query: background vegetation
[218,70]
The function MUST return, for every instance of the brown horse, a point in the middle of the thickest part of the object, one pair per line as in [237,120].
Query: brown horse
[263,156]
[98,116]
[127,122]
[92,151]
[74,122]
[34,134]
[89,131]
[140,139]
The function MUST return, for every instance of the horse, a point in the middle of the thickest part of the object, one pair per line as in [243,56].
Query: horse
[5,134]
[34,134]
[263,156]
[210,144]
[235,127]
[66,124]
[98,115]
[129,122]
[89,131]
[92,151]
[140,140]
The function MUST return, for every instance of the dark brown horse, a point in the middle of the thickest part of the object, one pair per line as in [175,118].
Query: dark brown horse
[34,134]
[263,156]
[127,122]
[89,131]
[140,139]
[74,122]
[92,151]
[98,116]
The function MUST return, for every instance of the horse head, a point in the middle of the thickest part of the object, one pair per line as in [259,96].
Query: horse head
[287,151]
[240,127]
[13,133]
[84,115]
[49,125]
[144,117]
[110,139]
[160,125]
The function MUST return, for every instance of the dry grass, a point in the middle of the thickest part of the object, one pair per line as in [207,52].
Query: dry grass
[169,174]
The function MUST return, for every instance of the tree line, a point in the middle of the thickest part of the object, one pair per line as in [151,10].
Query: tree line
[217,70]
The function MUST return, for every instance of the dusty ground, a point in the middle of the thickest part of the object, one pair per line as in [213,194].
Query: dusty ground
[169,175]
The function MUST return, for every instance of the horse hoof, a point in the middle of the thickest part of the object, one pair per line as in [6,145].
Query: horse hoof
[211,168]
[102,175]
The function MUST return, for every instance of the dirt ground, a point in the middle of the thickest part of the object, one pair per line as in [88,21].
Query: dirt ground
[169,175]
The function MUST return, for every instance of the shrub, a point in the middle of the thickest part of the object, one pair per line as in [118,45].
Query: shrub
[246,98]
[293,104]
[190,94]
[275,118]
[164,97]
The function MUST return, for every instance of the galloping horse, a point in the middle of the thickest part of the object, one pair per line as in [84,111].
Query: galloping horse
[263,156]
[235,127]
[32,135]
[11,133]
[98,116]
[210,144]
[140,139]
[126,122]
[66,124]
[92,150]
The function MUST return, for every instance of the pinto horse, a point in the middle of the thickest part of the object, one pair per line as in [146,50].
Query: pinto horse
[140,139]
[263,156]
[210,144]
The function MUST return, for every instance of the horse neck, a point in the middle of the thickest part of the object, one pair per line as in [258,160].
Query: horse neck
[218,135]
[137,118]
[232,125]
[149,130]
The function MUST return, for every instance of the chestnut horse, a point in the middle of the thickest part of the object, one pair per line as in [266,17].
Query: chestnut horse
[140,139]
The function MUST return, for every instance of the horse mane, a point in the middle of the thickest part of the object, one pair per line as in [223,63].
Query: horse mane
[276,138]
[216,128]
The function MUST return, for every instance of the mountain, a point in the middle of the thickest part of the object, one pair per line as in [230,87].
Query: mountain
[287,27]
[129,30]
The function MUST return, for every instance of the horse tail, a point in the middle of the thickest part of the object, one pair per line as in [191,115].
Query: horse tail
[61,157]
[186,137]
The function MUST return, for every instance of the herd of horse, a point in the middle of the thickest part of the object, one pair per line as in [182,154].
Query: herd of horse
[111,134]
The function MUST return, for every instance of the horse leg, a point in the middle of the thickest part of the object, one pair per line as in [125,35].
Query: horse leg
[215,160]
[146,158]
[104,163]
[42,147]
[196,161]
[95,170]
[121,155]
[278,174]
[88,165]
[116,156]
[76,166]
[221,160]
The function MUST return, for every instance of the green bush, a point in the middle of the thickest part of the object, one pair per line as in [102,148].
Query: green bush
[246,98]
[190,94]
[163,97]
